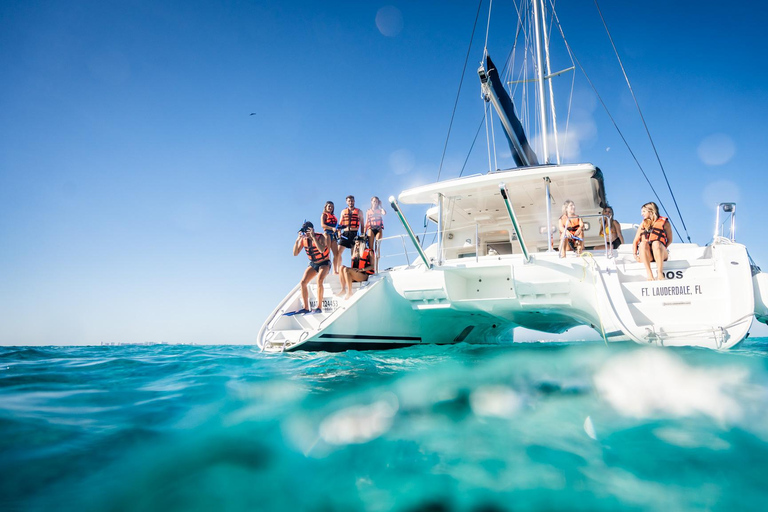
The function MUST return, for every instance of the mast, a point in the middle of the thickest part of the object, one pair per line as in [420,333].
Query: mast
[549,81]
[539,28]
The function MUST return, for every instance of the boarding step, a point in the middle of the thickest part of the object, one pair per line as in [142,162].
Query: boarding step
[281,340]
[681,334]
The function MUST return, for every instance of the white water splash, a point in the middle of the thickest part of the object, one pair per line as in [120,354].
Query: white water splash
[495,401]
[589,428]
[360,423]
[656,383]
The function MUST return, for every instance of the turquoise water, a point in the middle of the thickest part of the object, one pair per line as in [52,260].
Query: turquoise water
[523,427]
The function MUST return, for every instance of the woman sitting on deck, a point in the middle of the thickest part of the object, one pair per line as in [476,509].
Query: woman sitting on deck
[610,228]
[363,265]
[571,230]
[652,239]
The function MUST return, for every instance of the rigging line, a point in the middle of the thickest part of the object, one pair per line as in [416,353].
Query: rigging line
[568,117]
[554,19]
[605,107]
[647,131]
[458,93]
[477,133]
[487,29]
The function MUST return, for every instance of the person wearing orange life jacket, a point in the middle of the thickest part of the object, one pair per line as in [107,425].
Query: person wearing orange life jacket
[374,223]
[571,230]
[350,222]
[329,223]
[652,239]
[363,266]
[319,265]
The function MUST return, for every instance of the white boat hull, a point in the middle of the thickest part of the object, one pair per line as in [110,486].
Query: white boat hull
[707,300]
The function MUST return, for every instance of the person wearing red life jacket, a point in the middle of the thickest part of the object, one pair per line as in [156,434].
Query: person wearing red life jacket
[350,223]
[652,239]
[329,223]
[319,264]
[363,266]
[374,223]
[571,230]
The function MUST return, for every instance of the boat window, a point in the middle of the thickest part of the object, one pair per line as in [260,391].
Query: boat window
[493,248]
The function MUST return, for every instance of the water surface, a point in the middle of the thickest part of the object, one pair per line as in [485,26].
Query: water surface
[533,426]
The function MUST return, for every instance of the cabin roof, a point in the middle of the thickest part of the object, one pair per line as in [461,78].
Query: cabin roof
[527,177]
[581,183]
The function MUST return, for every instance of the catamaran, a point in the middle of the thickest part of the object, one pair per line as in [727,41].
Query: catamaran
[494,264]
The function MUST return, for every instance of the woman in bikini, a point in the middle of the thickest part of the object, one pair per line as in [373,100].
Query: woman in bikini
[374,223]
[328,221]
[610,228]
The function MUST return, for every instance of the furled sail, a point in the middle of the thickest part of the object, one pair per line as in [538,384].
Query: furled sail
[494,91]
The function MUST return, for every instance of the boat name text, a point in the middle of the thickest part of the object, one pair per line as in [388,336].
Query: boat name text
[665,291]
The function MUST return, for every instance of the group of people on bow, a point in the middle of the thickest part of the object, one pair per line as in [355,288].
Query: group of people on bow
[351,230]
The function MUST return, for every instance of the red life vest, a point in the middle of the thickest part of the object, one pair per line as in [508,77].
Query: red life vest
[373,220]
[363,261]
[350,220]
[313,251]
[657,232]
[329,219]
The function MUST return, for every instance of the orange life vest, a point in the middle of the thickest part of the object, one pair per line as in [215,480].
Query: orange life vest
[350,220]
[572,224]
[373,220]
[329,219]
[657,232]
[313,251]
[363,261]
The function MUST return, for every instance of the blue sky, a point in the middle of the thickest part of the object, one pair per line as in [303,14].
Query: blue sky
[139,200]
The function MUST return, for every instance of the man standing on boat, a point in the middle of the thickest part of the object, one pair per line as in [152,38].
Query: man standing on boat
[319,264]
[350,223]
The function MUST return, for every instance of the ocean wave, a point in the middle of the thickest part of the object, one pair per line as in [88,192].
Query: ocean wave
[527,426]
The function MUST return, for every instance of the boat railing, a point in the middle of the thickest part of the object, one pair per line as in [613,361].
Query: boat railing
[475,240]
[603,221]
[398,250]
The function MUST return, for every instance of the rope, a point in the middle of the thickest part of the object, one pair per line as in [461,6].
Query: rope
[613,121]
[458,93]
[642,118]
[469,153]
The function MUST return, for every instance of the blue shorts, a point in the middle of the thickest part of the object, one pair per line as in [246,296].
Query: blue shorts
[332,234]
[317,266]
